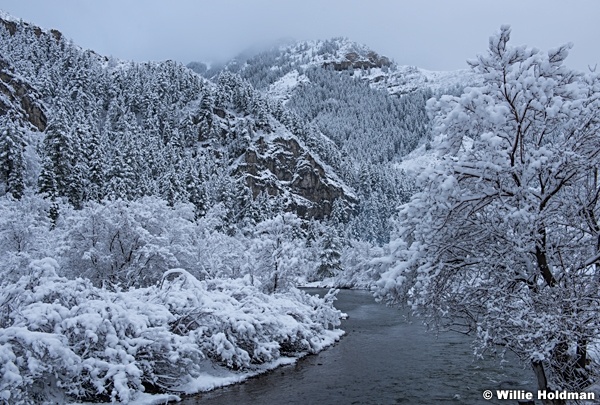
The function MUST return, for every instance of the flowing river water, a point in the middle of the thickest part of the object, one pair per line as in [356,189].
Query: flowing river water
[384,358]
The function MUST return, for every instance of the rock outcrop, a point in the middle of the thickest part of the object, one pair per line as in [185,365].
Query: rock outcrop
[356,61]
[282,167]
[18,98]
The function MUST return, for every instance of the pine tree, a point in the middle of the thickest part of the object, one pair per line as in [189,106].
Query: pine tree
[330,264]
[94,155]
[12,165]
[194,187]
[60,159]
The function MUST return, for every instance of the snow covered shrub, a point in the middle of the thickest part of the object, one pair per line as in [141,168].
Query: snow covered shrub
[237,325]
[127,243]
[34,365]
[62,338]
[31,357]
[68,336]
[278,252]
[215,254]
[24,230]
[360,268]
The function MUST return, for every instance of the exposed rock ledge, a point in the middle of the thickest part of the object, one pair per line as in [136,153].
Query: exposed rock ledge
[283,167]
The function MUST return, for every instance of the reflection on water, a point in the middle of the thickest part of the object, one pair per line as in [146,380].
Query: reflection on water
[382,359]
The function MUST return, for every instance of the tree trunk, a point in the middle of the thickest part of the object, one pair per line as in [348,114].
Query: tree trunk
[582,354]
[275,280]
[542,260]
[540,374]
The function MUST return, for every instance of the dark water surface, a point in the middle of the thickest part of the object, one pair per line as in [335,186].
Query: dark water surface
[384,358]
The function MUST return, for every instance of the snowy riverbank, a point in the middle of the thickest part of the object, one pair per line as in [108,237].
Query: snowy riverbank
[66,340]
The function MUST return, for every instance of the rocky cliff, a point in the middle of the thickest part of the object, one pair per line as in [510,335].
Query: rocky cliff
[19,99]
[282,167]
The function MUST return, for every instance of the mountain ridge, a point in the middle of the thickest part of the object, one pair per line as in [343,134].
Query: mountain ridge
[158,126]
[342,54]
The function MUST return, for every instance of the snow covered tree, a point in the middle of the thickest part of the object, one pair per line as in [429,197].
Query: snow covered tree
[120,243]
[330,255]
[503,240]
[61,175]
[278,252]
[94,155]
[12,165]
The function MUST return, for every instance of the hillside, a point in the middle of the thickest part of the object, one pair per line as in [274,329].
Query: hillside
[164,219]
[136,129]
[370,107]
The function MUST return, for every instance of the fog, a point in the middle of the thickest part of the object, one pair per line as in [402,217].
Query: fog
[436,35]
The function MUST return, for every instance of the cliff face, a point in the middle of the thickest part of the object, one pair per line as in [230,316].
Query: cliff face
[282,167]
[355,60]
[19,99]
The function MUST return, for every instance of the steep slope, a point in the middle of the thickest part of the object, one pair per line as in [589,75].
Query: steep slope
[19,100]
[372,109]
[127,130]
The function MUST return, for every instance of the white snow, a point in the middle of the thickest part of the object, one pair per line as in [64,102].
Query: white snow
[283,88]
[417,161]
[185,331]
[7,17]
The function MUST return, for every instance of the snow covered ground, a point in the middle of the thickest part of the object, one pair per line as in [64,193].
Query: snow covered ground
[283,88]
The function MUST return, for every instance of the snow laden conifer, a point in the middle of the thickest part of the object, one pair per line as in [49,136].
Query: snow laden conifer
[503,240]
[12,164]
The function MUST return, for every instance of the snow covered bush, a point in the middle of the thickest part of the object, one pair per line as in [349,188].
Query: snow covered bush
[278,252]
[24,234]
[360,270]
[237,325]
[126,243]
[132,243]
[67,336]
[215,254]
[62,338]
[122,244]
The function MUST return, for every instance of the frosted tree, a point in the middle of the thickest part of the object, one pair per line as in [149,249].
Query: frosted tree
[330,264]
[503,240]
[61,161]
[94,155]
[277,250]
[12,165]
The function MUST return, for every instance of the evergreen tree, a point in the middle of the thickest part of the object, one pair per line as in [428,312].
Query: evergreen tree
[95,156]
[330,264]
[59,160]
[12,166]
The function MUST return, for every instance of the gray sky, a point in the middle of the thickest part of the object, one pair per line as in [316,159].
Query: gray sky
[436,35]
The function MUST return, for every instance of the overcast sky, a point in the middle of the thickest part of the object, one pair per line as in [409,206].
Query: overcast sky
[437,35]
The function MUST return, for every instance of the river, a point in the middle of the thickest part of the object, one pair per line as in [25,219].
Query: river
[384,358]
